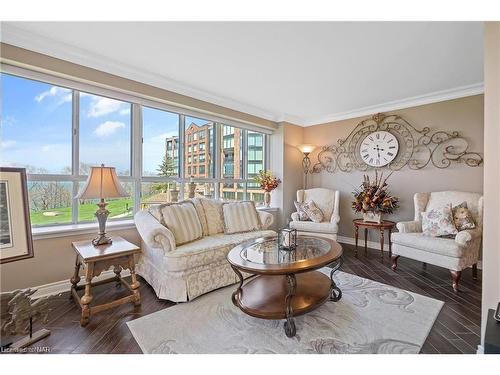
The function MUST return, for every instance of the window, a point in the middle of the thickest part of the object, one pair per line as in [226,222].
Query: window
[57,147]
[105,133]
[160,128]
[195,126]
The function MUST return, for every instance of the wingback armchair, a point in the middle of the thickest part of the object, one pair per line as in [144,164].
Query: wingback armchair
[457,253]
[328,202]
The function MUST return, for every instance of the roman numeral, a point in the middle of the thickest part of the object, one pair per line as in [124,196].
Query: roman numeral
[371,138]
[364,150]
[392,146]
[378,161]
[365,156]
[371,160]
[378,136]
[390,140]
[390,154]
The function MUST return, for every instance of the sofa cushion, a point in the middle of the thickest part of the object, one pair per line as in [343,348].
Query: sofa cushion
[201,214]
[213,214]
[240,217]
[182,220]
[309,226]
[442,246]
[207,250]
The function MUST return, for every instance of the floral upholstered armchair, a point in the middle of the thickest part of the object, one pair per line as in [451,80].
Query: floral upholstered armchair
[456,253]
[327,201]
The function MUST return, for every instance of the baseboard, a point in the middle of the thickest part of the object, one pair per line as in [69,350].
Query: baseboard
[64,285]
[376,246]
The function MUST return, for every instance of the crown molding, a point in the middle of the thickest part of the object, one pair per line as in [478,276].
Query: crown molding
[24,39]
[35,42]
[414,101]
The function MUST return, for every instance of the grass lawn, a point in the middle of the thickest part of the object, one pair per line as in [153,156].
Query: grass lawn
[85,212]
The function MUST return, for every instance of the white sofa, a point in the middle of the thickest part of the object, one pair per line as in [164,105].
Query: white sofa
[456,253]
[328,202]
[182,273]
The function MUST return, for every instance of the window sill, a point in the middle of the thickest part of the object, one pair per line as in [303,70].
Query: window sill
[267,209]
[76,229]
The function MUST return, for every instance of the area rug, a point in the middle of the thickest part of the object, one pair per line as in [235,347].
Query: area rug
[370,318]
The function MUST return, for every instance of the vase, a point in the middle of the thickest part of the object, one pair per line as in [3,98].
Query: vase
[174,195]
[372,217]
[267,199]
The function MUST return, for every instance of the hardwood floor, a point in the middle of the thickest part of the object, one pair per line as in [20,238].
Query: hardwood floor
[457,329]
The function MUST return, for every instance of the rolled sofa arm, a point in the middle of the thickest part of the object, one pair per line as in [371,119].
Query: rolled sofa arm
[409,226]
[266,219]
[464,237]
[153,233]
[295,216]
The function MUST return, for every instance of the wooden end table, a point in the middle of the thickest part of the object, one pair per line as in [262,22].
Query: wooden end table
[95,260]
[382,227]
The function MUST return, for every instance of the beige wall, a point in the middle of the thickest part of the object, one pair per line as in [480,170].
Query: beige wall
[491,239]
[53,261]
[464,115]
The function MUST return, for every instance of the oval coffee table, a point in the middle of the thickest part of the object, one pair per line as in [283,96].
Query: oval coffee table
[287,283]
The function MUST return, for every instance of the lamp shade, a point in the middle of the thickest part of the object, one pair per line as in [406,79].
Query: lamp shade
[102,183]
[306,148]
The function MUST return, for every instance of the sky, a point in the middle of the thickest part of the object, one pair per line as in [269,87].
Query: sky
[36,128]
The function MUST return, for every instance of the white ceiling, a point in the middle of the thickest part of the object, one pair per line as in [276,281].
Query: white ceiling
[303,72]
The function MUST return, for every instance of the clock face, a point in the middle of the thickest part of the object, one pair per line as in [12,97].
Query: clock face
[379,148]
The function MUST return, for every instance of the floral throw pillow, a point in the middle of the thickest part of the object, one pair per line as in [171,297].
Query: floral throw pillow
[438,222]
[300,210]
[462,217]
[313,212]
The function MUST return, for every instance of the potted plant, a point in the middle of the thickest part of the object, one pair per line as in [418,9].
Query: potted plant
[374,199]
[268,183]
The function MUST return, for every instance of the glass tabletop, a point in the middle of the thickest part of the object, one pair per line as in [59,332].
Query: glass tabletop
[267,251]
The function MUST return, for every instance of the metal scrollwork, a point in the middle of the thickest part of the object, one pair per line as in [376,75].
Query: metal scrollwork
[417,148]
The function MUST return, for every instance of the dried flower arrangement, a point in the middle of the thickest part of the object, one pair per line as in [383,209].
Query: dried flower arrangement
[374,196]
[267,181]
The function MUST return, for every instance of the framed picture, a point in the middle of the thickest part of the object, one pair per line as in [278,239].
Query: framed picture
[15,227]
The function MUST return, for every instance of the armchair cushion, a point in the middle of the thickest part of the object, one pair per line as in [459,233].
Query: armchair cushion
[409,226]
[301,211]
[295,216]
[437,245]
[313,212]
[310,226]
[438,222]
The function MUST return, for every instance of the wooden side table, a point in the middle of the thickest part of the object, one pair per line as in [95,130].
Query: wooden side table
[95,260]
[384,225]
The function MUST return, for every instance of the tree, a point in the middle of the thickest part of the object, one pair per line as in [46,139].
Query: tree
[165,169]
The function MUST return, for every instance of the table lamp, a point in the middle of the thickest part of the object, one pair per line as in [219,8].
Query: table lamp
[102,183]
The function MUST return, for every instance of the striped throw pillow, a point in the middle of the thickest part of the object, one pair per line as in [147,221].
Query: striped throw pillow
[240,217]
[182,220]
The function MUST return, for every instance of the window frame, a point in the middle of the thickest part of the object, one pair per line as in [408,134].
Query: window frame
[136,155]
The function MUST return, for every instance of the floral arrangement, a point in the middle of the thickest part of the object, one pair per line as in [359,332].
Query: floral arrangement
[374,196]
[267,181]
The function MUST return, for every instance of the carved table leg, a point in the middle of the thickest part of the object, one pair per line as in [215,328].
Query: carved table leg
[236,294]
[335,292]
[117,270]
[135,284]
[394,262]
[87,297]
[76,276]
[356,233]
[366,242]
[382,244]
[290,329]
[390,243]
[455,275]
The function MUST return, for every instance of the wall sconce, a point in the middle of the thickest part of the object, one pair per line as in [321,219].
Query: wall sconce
[306,149]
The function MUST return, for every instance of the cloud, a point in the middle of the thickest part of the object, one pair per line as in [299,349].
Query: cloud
[55,91]
[160,138]
[125,111]
[100,106]
[7,120]
[108,128]
[7,144]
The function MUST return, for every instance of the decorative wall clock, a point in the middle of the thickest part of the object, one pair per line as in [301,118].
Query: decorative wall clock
[379,148]
[369,145]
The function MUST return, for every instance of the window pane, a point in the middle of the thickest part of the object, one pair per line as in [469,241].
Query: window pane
[119,208]
[50,202]
[202,189]
[158,192]
[199,142]
[105,133]
[255,193]
[231,152]
[255,148]
[160,148]
[36,126]
[232,191]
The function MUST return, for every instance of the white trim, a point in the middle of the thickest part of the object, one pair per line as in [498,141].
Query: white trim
[64,285]
[57,231]
[47,46]
[433,97]
[480,349]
